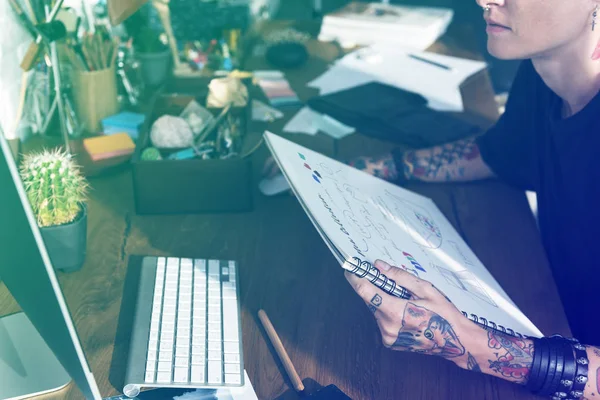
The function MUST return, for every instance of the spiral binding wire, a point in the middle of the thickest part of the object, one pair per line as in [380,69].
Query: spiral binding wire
[364,269]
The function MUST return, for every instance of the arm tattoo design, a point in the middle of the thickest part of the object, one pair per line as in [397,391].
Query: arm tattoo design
[514,357]
[381,167]
[472,363]
[441,162]
[424,331]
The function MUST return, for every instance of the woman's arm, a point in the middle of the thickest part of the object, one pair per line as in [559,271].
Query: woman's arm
[430,324]
[451,162]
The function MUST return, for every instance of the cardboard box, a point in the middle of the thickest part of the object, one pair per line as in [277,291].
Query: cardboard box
[191,185]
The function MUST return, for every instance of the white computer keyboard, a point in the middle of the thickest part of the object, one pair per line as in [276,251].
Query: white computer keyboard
[195,324]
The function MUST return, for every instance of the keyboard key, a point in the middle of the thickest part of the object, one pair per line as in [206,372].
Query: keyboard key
[200,265]
[232,368]
[153,335]
[186,263]
[214,318]
[214,346]
[167,336]
[215,374]
[180,375]
[233,379]
[198,374]
[164,366]
[214,336]
[232,358]
[214,327]
[163,377]
[165,356]
[198,360]
[151,365]
[152,355]
[152,344]
[230,320]
[214,267]
[149,376]
[168,327]
[182,352]
[182,361]
[214,355]
[231,267]
[231,347]
[198,341]
[198,350]
[154,325]
[166,346]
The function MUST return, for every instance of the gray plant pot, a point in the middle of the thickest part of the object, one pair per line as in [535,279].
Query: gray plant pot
[155,68]
[66,244]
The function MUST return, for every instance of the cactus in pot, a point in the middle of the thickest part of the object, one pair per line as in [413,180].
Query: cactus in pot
[57,192]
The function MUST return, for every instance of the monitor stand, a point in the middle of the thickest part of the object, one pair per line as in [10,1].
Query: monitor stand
[27,365]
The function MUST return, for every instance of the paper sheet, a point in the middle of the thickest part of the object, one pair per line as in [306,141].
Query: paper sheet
[310,122]
[396,67]
[359,215]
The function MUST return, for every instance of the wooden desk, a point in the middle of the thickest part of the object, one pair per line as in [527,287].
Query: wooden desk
[287,270]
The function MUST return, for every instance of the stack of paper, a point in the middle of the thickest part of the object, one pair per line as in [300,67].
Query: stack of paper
[434,76]
[310,122]
[364,24]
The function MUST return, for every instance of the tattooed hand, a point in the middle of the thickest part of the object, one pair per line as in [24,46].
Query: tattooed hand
[425,324]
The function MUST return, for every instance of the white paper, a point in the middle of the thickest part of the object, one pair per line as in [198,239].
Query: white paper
[395,67]
[359,215]
[303,122]
[264,112]
[310,122]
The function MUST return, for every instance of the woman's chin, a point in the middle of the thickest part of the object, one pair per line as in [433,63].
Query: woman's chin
[503,52]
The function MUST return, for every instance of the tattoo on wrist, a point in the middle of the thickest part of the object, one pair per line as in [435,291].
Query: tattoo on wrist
[424,331]
[472,363]
[441,162]
[376,300]
[372,308]
[381,167]
[514,358]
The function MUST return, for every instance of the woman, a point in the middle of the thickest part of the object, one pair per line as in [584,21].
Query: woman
[546,141]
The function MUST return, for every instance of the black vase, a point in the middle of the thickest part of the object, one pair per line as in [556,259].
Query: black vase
[66,244]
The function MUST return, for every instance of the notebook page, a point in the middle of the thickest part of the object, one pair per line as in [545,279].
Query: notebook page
[363,216]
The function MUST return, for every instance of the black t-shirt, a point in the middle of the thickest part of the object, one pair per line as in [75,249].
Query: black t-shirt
[534,148]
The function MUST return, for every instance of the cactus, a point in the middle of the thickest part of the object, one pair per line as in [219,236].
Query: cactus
[55,187]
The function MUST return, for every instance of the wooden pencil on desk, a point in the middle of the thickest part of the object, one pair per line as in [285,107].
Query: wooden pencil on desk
[281,353]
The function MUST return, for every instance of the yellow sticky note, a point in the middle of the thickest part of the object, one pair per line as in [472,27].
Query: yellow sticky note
[102,147]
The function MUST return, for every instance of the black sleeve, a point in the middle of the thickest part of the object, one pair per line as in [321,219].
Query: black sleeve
[508,147]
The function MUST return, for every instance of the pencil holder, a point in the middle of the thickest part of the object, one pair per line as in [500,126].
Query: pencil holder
[95,94]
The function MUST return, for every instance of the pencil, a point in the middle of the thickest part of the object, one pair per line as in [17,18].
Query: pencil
[281,353]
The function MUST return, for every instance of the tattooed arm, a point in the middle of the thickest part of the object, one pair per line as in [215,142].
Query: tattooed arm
[456,161]
[430,324]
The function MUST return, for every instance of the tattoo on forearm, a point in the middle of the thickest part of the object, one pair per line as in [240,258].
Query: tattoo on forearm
[442,162]
[381,167]
[472,363]
[424,331]
[514,358]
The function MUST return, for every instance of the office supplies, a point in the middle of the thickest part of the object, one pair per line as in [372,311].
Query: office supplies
[280,350]
[277,88]
[126,121]
[33,345]
[447,68]
[187,328]
[362,218]
[103,147]
[360,24]
[405,69]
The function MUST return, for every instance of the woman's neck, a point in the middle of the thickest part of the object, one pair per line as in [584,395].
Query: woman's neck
[571,73]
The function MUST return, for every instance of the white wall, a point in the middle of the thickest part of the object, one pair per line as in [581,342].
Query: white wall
[14,41]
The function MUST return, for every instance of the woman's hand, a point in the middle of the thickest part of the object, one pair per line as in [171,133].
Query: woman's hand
[428,323]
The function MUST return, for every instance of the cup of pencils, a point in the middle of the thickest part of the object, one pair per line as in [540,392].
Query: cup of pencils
[93,60]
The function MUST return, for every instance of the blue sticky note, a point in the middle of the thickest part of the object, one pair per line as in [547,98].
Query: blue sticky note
[126,120]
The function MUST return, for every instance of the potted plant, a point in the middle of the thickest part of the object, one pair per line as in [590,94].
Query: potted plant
[57,192]
[151,48]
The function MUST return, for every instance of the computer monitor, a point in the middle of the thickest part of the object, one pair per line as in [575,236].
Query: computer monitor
[27,271]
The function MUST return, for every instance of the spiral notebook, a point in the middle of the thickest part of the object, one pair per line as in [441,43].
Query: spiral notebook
[363,218]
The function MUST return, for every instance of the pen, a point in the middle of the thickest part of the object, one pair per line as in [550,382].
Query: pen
[436,64]
[364,269]
[283,356]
